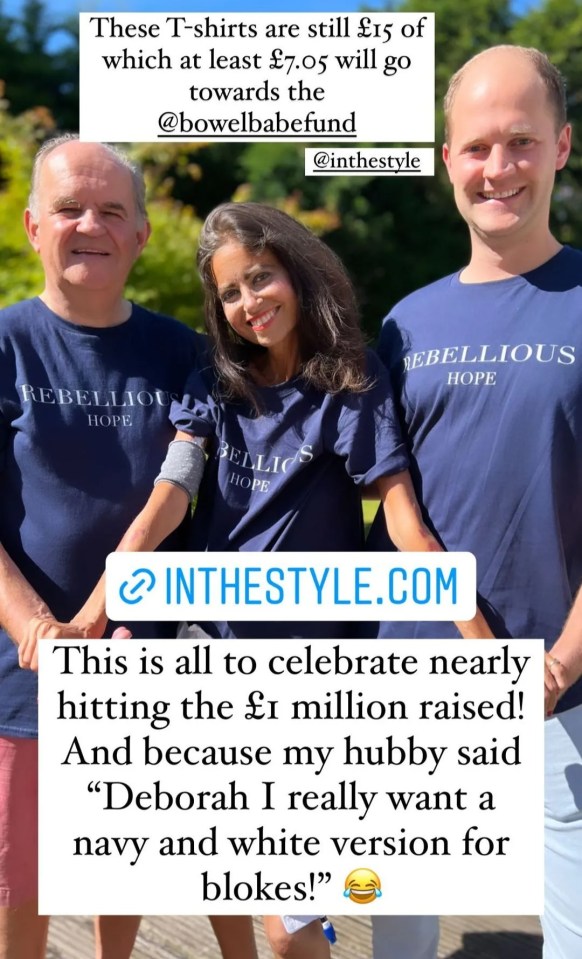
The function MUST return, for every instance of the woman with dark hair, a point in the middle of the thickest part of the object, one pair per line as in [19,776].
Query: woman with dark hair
[329,338]
[295,415]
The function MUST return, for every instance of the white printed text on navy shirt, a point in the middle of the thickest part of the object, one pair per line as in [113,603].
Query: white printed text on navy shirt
[103,399]
[260,463]
[505,353]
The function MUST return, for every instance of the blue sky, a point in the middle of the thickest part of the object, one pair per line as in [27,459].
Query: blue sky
[58,8]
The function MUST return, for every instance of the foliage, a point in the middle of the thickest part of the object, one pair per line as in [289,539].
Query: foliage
[394,234]
[556,28]
[20,271]
[165,277]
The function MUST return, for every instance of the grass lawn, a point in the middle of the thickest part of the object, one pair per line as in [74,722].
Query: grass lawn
[370,507]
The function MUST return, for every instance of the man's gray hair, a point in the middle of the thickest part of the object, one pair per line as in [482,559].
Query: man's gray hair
[118,155]
[549,74]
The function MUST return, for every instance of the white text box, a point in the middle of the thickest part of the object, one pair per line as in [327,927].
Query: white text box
[369,161]
[201,778]
[260,76]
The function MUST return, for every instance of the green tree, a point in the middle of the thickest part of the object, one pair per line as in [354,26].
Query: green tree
[556,28]
[165,278]
[20,272]
[34,73]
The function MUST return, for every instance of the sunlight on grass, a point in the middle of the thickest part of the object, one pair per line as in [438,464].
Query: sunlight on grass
[370,507]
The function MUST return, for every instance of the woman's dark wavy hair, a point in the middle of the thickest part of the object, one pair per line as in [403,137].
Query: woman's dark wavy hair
[331,343]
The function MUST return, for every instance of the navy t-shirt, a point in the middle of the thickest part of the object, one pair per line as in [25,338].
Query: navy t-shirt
[287,479]
[83,430]
[490,381]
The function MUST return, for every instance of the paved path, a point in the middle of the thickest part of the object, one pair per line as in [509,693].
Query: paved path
[178,937]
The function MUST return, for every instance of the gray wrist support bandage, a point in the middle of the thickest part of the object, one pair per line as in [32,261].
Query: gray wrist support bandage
[183,466]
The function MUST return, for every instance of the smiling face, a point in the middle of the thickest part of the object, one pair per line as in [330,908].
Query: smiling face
[504,150]
[362,885]
[257,297]
[86,229]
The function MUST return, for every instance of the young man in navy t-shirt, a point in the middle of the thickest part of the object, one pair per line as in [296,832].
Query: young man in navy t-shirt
[488,368]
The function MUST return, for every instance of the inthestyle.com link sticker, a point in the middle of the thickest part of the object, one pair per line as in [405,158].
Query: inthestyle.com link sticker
[253,586]
[369,161]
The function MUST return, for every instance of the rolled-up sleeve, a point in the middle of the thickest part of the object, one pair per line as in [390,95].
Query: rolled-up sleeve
[368,435]
[196,412]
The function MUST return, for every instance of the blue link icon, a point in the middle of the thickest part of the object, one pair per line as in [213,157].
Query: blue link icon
[143,582]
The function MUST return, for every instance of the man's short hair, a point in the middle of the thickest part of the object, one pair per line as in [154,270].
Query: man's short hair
[551,77]
[118,155]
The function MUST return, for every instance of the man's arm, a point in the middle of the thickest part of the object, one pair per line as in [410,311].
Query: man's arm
[25,616]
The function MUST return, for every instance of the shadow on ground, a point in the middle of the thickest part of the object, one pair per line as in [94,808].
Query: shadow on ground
[498,945]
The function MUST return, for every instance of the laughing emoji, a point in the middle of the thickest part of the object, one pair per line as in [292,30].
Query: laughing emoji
[363,885]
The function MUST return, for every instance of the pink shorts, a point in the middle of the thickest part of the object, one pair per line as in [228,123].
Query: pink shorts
[18,821]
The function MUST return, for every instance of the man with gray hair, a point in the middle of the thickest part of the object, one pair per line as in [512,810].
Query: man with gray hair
[86,381]
[487,363]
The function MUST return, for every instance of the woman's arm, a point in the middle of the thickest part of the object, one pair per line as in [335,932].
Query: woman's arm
[30,620]
[163,512]
[408,532]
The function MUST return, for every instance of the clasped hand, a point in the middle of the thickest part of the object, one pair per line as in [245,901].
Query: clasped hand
[41,627]
[555,682]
